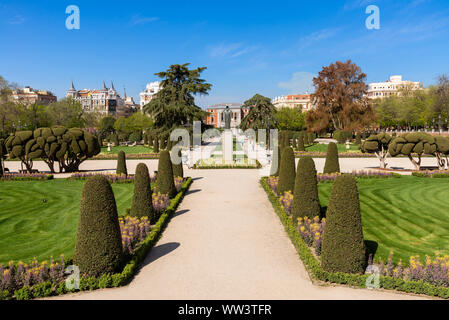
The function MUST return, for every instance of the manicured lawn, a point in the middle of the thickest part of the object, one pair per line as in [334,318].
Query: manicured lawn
[408,215]
[127,150]
[341,148]
[29,227]
[236,146]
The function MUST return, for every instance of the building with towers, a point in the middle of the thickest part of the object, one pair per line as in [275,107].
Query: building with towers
[106,101]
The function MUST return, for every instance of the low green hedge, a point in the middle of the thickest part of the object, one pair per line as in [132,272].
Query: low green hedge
[106,280]
[316,272]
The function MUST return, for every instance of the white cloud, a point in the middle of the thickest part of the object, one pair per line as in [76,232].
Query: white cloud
[230,51]
[17,19]
[137,19]
[300,82]
[317,36]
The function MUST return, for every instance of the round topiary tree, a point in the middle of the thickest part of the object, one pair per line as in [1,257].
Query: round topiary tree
[142,199]
[178,170]
[98,247]
[287,171]
[343,248]
[121,163]
[377,144]
[165,183]
[275,162]
[332,164]
[305,196]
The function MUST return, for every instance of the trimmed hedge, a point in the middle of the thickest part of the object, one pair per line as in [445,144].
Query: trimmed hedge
[165,182]
[287,171]
[121,163]
[305,196]
[142,205]
[98,247]
[343,248]
[331,165]
[178,170]
[317,273]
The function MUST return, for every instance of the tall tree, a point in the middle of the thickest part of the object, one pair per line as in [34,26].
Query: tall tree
[262,114]
[174,105]
[339,98]
[290,119]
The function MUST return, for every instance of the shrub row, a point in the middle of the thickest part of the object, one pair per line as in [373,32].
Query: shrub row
[26,177]
[317,273]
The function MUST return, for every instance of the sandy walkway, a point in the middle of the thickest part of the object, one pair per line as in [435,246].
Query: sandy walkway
[226,242]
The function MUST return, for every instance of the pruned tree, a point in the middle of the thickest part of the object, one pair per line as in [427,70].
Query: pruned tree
[377,144]
[67,147]
[442,151]
[417,143]
[339,99]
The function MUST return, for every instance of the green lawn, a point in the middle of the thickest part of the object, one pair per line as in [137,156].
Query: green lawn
[341,148]
[236,146]
[127,150]
[408,215]
[29,227]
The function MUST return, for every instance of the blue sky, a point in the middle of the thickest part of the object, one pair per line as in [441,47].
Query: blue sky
[272,48]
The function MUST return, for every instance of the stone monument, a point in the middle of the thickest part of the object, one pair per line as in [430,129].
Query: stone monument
[228,145]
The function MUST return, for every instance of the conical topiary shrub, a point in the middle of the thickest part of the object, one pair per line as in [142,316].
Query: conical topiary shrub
[343,248]
[332,164]
[178,170]
[305,196]
[150,140]
[165,183]
[121,163]
[287,171]
[275,162]
[98,247]
[301,143]
[295,141]
[156,145]
[142,200]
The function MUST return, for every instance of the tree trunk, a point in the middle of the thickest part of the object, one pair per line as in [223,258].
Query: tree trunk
[441,162]
[417,164]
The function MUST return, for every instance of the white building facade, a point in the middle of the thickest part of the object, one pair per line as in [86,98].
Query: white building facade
[105,101]
[148,94]
[391,87]
[298,101]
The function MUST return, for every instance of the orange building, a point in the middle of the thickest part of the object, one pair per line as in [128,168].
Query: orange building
[216,116]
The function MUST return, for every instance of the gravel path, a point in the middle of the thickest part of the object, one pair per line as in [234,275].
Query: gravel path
[226,242]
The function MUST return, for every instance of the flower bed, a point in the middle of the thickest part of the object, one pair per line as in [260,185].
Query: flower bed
[317,154]
[317,273]
[325,177]
[26,176]
[431,174]
[113,178]
[212,164]
[129,156]
[46,280]
[160,201]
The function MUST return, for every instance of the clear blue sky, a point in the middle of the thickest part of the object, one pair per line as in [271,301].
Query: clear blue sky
[271,48]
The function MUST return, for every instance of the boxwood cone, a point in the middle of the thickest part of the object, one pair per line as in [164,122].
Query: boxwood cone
[287,171]
[121,163]
[165,183]
[301,143]
[332,164]
[178,170]
[142,200]
[343,248]
[156,145]
[305,196]
[98,247]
